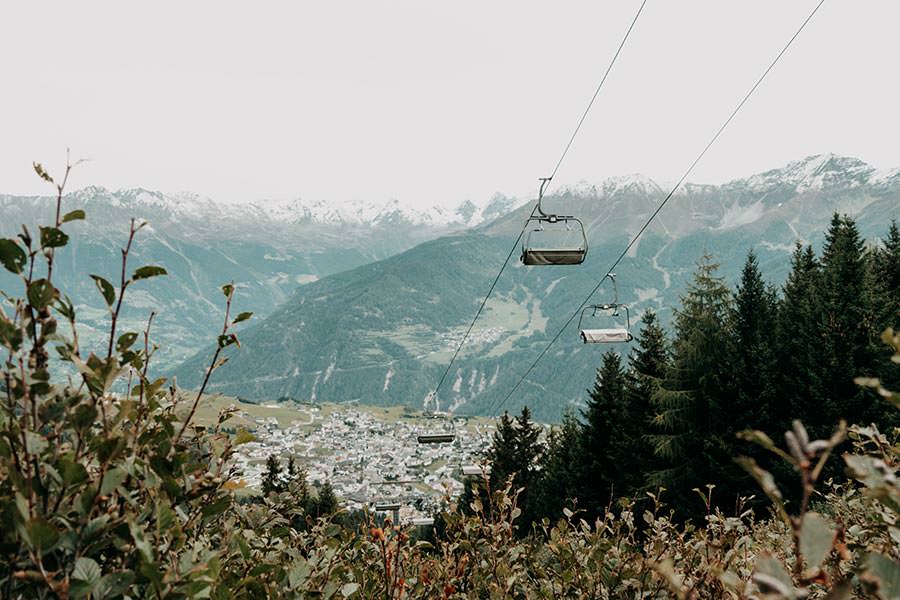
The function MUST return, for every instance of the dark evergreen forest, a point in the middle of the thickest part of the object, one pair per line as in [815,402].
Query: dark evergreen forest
[666,418]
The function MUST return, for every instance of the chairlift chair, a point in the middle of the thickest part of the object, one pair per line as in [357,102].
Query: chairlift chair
[591,335]
[550,242]
[440,437]
[435,438]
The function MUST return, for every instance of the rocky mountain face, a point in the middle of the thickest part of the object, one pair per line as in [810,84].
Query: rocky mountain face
[268,249]
[383,332]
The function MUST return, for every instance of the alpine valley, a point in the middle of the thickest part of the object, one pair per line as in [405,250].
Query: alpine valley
[267,249]
[369,303]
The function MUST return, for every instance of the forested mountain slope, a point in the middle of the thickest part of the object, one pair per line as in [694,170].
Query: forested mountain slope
[382,333]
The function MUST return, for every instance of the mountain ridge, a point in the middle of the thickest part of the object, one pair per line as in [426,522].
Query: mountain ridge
[380,333]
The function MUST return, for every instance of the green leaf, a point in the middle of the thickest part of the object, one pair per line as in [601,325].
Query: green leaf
[74,215]
[140,541]
[85,416]
[113,585]
[106,288]
[72,472]
[113,479]
[217,507]
[12,256]
[87,570]
[41,293]
[242,317]
[125,341]
[165,516]
[771,577]
[883,575]
[147,272]
[228,289]
[39,169]
[42,536]
[51,237]
[349,589]
[816,539]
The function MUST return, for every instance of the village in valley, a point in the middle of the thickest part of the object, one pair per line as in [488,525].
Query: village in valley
[370,456]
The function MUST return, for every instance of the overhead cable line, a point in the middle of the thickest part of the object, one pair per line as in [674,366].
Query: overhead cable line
[525,225]
[659,208]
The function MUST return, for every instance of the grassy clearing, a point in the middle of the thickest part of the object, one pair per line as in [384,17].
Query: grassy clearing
[210,406]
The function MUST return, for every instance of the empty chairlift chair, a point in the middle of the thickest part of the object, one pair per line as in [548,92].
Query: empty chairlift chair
[607,335]
[554,239]
[437,437]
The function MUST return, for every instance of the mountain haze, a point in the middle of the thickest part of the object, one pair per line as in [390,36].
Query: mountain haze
[268,249]
[383,332]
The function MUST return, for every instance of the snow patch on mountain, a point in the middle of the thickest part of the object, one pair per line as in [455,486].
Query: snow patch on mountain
[737,215]
[813,173]
[357,213]
[468,213]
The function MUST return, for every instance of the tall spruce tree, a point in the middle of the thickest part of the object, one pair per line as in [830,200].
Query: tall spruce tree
[648,363]
[557,484]
[693,404]
[325,503]
[845,347]
[755,363]
[885,281]
[273,478]
[604,449]
[514,454]
[797,343]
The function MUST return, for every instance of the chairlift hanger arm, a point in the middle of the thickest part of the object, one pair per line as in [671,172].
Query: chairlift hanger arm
[544,182]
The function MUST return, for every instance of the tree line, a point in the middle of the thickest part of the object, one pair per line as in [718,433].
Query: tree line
[754,357]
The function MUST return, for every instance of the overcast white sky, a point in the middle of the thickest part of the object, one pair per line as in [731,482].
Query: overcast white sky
[433,102]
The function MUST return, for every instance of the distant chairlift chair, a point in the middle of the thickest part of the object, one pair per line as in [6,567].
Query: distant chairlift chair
[435,438]
[440,437]
[607,335]
[551,241]
[390,507]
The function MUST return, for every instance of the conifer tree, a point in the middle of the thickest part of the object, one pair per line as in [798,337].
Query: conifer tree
[845,347]
[604,449]
[297,482]
[648,363]
[557,485]
[884,266]
[755,363]
[502,456]
[694,401]
[797,344]
[272,478]
[325,503]
[515,453]
[502,453]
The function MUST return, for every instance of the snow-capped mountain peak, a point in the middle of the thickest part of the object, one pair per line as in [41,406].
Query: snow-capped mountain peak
[467,213]
[813,173]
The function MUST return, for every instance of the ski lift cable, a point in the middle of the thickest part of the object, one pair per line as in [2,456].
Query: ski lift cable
[659,207]
[537,205]
[597,91]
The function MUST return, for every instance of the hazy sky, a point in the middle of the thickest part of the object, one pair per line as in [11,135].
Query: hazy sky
[433,102]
